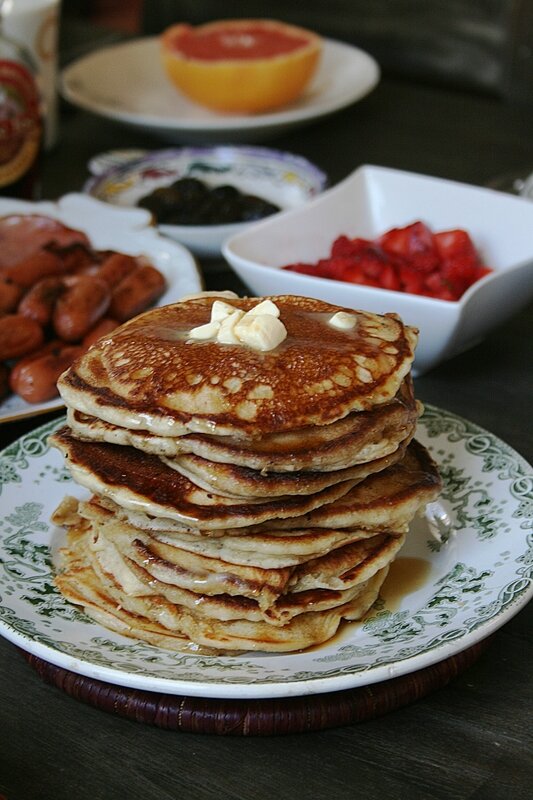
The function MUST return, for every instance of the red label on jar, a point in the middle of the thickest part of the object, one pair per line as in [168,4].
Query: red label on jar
[20,121]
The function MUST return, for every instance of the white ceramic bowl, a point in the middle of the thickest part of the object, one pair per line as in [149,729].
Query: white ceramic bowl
[124,230]
[368,203]
[282,178]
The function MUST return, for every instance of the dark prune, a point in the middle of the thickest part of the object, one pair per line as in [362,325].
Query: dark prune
[189,201]
[159,200]
[190,190]
[254,208]
[225,192]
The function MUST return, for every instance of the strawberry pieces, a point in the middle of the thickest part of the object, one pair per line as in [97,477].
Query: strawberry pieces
[410,259]
[414,244]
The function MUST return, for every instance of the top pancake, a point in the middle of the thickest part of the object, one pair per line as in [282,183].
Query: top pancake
[149,374]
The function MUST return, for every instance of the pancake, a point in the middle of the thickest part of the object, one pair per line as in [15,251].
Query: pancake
[150,374]
[169,563]
[357,438]
[236,482]
[131,578]
[138,481]
[268,550]
[136,581]
[252,471]
[347,566]
[154,619]
[390,498]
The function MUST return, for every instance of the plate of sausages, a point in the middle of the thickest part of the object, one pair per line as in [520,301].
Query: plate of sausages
[70,272]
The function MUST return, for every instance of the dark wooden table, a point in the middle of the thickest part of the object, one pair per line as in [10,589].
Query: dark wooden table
[470,739]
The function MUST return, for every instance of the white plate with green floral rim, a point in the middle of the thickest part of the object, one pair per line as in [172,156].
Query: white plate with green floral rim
[476,578]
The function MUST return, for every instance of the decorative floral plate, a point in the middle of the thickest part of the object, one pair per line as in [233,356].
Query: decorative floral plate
[282,178]
[471,579]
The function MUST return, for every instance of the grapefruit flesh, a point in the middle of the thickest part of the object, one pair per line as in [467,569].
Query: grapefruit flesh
[246,66]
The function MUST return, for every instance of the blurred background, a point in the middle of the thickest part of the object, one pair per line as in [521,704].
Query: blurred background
[481,45]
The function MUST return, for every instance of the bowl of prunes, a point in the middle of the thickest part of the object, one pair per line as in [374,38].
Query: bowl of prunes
[201,196]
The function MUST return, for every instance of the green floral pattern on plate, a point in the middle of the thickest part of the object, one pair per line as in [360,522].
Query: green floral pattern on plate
[480,575]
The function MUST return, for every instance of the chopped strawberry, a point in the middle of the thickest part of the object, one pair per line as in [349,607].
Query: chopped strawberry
[414,243]
[354,248]
[437,286]
[410,279]
[389,278]
[318,270]
[343,246]
[409,259]
[341,268]
[459,272]
[450,244]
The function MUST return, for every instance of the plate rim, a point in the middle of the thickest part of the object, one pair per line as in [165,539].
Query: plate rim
[296,687]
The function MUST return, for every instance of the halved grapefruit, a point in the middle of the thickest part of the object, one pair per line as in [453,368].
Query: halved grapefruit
[242,65]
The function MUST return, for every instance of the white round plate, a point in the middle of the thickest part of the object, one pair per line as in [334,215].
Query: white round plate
[126,83]
[477,577]
[123,229]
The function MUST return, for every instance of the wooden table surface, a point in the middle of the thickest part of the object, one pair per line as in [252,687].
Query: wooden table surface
[472,738]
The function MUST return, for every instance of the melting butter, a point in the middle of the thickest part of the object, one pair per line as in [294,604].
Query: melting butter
[260,328]
[343,320]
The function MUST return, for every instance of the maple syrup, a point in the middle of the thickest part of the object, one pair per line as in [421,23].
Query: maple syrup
[406,575]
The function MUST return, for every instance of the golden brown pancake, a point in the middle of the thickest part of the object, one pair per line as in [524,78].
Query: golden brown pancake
[148,374]
[242,499]
[390,498]
[273,549]
[347,566]
[236,482]
[341,569]
[138,481]
[155,619]
[357,438]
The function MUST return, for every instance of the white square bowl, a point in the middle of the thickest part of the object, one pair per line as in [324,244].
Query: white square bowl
[367,204]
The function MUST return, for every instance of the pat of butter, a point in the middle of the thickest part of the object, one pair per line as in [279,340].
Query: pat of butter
[221,310]
[343,320]
[265,307]
[260,328]
[261,331]
[226,331]
[203,332]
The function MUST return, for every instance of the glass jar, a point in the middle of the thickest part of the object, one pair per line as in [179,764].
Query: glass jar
[21,123]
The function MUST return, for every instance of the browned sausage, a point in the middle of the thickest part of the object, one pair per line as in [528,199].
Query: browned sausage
[10,294]
[39,302]
[75,256]
[35,267]
[136,293]
[116,267]
[106,325]
[80,307]
[35,378]
[18,336]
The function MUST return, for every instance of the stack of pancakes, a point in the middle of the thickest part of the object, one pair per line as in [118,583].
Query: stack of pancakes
[241,499]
